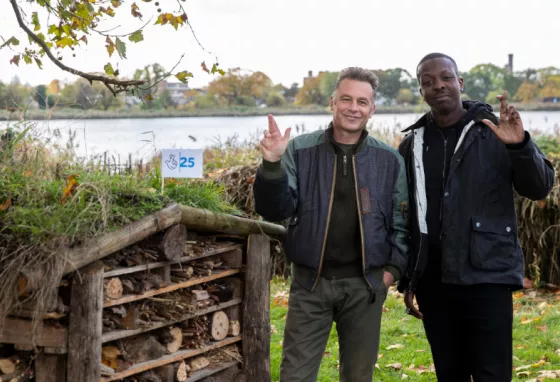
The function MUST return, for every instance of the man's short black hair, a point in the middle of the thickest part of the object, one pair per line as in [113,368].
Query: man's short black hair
[432,56]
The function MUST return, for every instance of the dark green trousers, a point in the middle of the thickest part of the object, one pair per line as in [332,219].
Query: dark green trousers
[347,302]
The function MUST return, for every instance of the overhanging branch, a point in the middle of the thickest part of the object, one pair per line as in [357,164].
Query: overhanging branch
[121,84]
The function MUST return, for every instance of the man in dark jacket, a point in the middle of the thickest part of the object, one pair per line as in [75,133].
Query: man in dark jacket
[344,193]
[463,166]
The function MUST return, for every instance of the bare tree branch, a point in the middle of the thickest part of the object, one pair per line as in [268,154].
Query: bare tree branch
[121,84]
[192,30]
[165,76]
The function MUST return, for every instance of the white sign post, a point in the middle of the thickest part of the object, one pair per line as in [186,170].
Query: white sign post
[181,163]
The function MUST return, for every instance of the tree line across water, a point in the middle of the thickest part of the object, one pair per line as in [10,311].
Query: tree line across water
[239,87]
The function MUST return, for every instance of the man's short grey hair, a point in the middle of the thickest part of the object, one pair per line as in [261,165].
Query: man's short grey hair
[358,74]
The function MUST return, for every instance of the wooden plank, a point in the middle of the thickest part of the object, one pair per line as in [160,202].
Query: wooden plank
[205,220]
[50,368]
[167,359]
[109,243]
[19,331]
[85,325]
[256,314]
[24,313]
[118,334]
[159,264]
[171,288]
[210,370]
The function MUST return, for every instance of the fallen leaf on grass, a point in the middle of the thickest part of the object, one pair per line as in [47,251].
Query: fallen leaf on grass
[404,376]
[518,295]
[552,374]
[273,329]
[542,305]
[395,366]
[523,374]
[411,367]
[6,205]
[420,351]
[526,320]
[395,346]
[380,356]
[543,328]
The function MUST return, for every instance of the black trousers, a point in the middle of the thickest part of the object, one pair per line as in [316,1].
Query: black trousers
[469,328]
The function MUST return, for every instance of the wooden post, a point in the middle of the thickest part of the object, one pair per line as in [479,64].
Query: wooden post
[50,368]
[85,326]
[256,307]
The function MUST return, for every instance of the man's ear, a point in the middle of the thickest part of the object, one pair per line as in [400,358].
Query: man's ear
[372,111]
[331,103]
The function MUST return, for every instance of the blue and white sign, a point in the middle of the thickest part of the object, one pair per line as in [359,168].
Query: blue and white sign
[181,163]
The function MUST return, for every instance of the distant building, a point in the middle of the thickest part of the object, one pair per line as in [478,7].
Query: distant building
[509,66]
[177,90]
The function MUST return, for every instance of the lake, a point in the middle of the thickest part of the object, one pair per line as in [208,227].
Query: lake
[143,137]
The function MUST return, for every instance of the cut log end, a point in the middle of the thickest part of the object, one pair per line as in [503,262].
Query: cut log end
[199,363]
[181,374]
[173,242]
[177,340]
[234,328]
[219,327]
[113,288]
[7,366]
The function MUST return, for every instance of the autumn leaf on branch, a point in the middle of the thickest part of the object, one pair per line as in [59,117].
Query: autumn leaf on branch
[204,67]
[135,11]
[184,76]
[136,36]
[121,48]
[215,69]
[12,41]
[71,23]
[109,69]
[110,46]
[15,60]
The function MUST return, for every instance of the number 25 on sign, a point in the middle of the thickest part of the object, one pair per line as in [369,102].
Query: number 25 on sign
[181,163]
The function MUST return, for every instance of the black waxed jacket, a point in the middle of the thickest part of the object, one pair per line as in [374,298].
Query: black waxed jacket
[479,237]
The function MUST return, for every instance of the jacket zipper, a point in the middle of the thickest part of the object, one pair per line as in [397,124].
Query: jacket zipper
[327,227]
[443,184]
[415,183]
[344,162]
[360,220]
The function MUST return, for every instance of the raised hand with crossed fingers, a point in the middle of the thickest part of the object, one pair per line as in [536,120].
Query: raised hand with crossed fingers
[274,144]
[510,127]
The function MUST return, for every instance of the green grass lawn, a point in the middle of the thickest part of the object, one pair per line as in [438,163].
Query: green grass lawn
[404,352]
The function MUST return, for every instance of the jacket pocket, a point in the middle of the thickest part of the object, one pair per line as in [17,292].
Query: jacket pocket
[377,236]
[493,243]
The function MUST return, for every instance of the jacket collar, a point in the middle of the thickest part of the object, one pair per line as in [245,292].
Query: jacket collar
[329,138]
[476,111]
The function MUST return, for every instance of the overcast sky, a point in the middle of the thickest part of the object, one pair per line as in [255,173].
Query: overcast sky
[286,38]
